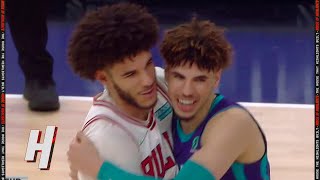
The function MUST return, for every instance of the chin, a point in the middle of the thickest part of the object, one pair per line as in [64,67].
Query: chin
[149,104]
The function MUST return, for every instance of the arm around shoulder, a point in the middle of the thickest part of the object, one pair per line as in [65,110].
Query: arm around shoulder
[224,139]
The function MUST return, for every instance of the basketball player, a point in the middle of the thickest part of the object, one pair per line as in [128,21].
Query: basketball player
[130,122]
[214,138]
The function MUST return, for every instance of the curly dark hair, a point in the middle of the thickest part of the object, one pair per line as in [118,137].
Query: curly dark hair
[200,42]
[110,34]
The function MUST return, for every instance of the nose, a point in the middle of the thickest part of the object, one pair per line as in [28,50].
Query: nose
[147,78]
[187,89]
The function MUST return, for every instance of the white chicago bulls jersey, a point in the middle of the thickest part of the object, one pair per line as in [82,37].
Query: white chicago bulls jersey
[141,147]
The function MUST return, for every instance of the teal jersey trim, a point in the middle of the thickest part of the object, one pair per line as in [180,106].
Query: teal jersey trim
[182,136]
[263,168]
[216,101]
[238,171]
[194,171]
[191,171]
[164,111]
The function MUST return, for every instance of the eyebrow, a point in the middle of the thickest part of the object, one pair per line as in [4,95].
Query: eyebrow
[133,71]
[197,77]
[201,77]
[177,73]
[149,60]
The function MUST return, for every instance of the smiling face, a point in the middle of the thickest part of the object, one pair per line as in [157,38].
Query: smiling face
[191,90]
[132,82]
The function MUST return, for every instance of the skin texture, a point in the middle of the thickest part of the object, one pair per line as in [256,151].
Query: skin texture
[132,84]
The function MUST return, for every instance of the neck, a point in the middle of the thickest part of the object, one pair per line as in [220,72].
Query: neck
[190,125]
[139,113]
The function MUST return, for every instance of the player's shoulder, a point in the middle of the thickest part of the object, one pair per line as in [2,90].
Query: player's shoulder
[234,114]
[107,128]
[95,112]
[235,119]
[162,86]
[98,123]
[160,76]
[159,71]
[102,108]
[163,109]
[229,111]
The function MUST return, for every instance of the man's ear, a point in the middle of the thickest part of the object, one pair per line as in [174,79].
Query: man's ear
[217,77]
[101,76]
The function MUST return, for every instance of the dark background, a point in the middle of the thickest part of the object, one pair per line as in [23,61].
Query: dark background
[273,42]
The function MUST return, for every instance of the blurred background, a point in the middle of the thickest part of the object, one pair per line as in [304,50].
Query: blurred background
[273,43]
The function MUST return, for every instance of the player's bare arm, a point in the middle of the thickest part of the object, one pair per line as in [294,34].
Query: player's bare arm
[78,147]
[230,136]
